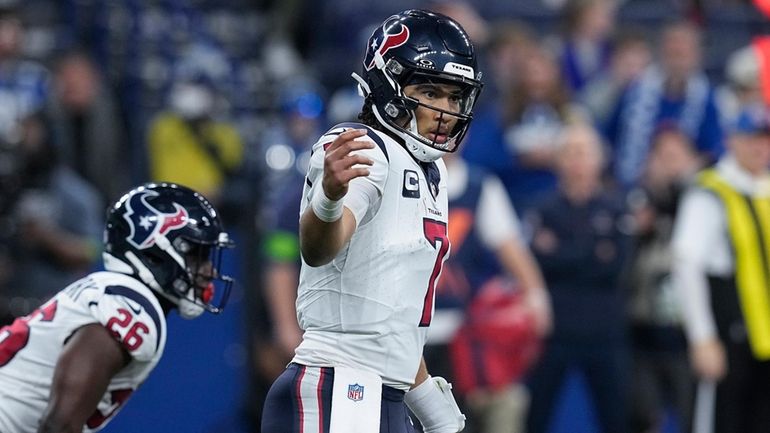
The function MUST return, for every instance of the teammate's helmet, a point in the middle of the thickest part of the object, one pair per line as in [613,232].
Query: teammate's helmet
[417,46]
[170,238]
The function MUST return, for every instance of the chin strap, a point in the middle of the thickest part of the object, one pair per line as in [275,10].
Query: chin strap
[144,274]
[186,304]
[165,245]
[189,309]
[114,264]
[419,150]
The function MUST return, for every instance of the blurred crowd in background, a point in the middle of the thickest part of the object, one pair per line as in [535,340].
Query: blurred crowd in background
[228,96]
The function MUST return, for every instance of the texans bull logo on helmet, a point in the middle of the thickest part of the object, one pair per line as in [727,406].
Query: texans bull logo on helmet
[389,41]
[146,222]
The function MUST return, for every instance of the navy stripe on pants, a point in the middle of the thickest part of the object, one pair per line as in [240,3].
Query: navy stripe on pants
[300,401]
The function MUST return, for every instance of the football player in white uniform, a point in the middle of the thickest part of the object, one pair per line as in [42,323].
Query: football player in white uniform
[71,364]
[373,236]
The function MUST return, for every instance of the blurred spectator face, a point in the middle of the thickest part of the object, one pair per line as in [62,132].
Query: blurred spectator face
[630,59]
[507,52]
[595,19]
[752,151]
[540,76]
[681,51]
[750,144]
[302,129]
[77,83]
[33,135]
[673,157]
[580,158]
[303,112]
[192,100]
[10,36]
[35,146]
[750,139]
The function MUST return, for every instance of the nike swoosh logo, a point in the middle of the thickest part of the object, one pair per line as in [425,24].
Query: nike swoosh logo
[136,310]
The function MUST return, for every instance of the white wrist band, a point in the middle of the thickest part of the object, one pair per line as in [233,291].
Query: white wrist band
[325,209]
[435,406]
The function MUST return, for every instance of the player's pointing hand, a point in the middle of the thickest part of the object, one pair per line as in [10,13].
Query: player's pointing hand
[342,164]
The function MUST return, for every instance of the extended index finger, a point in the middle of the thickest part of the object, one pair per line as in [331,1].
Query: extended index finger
[349,135]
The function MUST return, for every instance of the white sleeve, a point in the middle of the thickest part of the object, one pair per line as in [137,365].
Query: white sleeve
[696,232]
[132,319]
[313,177]
[360,199]
[496,219]
[363,194]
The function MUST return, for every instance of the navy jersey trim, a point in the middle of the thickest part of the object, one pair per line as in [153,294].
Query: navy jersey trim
[372,134]
[141,300]
[433,176]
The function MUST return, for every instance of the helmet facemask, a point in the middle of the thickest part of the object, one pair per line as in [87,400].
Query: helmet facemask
[396,111]
[400,113]
[192,280]
[201,285]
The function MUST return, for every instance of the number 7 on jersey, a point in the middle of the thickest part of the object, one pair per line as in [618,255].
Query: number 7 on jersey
[436,233]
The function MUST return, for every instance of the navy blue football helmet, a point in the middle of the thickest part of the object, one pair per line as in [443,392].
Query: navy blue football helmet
[170,238]
[418,46]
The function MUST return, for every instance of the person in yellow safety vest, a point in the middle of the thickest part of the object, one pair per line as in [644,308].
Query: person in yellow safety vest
[721,270]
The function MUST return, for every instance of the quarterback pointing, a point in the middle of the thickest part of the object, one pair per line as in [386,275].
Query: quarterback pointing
[71,364]
[373,237]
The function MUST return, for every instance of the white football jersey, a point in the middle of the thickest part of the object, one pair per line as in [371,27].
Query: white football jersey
[371,306]
[30,347]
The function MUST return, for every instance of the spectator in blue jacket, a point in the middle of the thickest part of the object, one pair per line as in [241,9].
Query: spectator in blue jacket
[674,91]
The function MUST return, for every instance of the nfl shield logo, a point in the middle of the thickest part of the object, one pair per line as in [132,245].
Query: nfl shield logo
[356,392]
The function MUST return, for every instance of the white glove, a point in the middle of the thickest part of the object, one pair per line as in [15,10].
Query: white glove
[435,406]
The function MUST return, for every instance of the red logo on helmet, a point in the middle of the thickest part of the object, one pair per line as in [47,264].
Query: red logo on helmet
[389,41]
[173,221]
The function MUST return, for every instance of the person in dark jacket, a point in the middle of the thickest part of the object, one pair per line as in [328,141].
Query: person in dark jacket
[580,243]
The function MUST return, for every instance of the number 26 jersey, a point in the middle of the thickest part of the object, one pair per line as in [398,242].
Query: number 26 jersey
[30,347]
